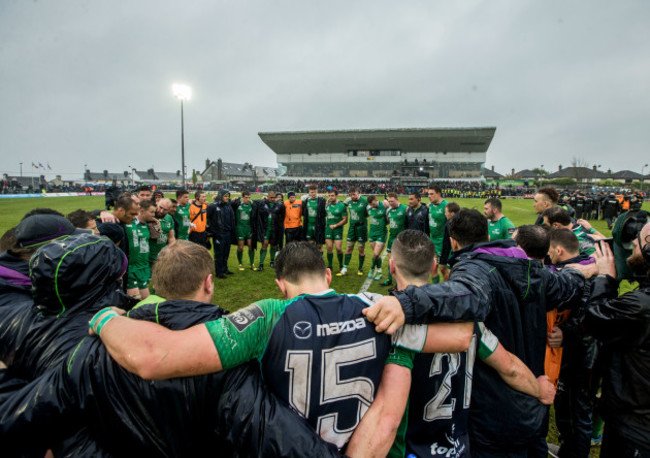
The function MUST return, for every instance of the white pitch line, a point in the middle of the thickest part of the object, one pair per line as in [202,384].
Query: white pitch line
[366,284]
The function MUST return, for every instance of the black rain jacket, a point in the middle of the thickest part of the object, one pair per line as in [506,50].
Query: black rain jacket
[496,283]
[320,220]
[102,408]
[72,279]
[622,324]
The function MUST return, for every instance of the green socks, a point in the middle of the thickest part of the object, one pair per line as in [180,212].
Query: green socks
[330,257]
[251,256]
[240,255]
[347,259]
[339,256]
[361,260]
[263,255]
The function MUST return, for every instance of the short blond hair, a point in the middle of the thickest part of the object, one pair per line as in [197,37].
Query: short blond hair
[180,269]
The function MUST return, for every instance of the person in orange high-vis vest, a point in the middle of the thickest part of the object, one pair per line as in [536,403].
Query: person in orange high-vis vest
[198,220]
[292,218]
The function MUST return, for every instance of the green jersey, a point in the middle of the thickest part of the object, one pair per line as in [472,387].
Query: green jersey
[437,221]
[138,234]
[156,245]
[378,220]
[501,229]
[243,216]
[182,217]
[312,211]
[396,219]
[335,212]
[358,210]
[586,242]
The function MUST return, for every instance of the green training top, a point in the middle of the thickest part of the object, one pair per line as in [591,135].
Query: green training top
[437,220]
[335,213]
[586,243]
[501,229]
[156,245]
[312,211]
[138,234]
[378,220]
[182,217]
[243,216]
[358,210]
[396,219]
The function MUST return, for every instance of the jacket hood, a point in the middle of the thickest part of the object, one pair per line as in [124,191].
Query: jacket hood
[14,273]
[220,193]
[508,259]
[73,273]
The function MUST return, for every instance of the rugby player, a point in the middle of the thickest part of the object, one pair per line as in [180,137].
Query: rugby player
[166,236]
[182,215]
[243,212]
[336,217]
[316,350]
[437,222]
[139,272]
[313,217]
[436,418]
[377,234]
[396,215]
[499,227]
[357,230]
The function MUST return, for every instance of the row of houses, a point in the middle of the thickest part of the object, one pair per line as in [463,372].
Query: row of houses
[578,174]
[215,172]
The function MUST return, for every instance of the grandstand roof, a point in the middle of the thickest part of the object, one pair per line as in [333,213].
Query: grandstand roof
[470,139]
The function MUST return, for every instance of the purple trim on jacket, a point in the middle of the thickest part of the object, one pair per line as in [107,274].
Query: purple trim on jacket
[510,252]
[14,277]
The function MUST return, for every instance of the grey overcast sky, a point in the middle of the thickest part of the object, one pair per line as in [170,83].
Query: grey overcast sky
[89,81]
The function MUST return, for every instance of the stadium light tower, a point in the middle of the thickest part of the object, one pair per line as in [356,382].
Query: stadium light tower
[182,92]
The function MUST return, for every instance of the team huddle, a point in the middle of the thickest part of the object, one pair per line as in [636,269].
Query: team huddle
[485,320]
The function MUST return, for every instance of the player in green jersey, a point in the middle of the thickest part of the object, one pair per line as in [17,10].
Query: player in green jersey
[166,236]
[337,217]
[358,229]
[182,215]
[313,214]
[437,221]
[313,320]
[377,234]
[430,427]
[499,227]
[139,272]
[244,229]
[396,215]
[559,218]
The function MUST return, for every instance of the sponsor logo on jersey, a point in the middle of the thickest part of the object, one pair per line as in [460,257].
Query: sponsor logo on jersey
[245,317]
[340,327]
[302,330]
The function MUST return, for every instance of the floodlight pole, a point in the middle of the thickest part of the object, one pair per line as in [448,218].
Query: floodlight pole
[182,144]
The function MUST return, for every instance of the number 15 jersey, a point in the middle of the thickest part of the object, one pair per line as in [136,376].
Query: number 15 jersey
[317,352]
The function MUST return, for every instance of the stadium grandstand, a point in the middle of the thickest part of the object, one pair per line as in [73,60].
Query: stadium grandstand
[410,157]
